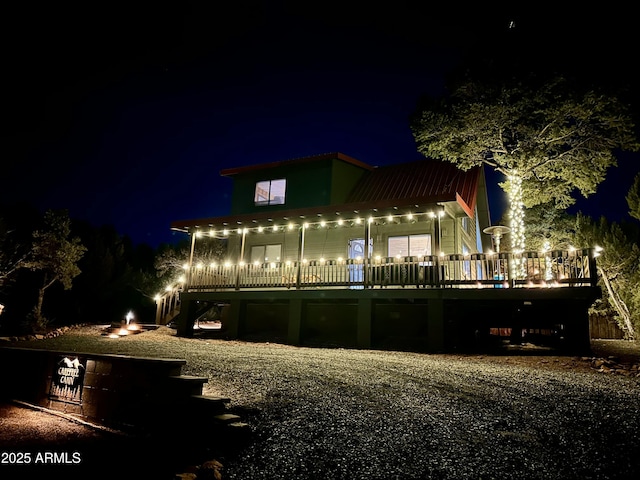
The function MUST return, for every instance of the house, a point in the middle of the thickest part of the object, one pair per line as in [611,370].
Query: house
[327,249]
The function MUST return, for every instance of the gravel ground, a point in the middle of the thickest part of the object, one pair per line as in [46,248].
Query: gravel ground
[321,413]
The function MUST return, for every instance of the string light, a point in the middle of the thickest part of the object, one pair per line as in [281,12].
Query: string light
[516,219]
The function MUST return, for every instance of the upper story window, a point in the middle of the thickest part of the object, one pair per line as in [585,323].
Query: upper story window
[270,192]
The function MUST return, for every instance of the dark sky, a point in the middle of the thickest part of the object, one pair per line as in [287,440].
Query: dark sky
[125,115]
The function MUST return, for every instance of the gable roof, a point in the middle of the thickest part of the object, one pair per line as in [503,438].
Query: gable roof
[420,184]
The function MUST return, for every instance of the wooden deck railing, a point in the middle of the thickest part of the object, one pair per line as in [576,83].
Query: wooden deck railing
[504,270]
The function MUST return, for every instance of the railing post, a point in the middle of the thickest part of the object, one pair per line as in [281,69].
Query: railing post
[593,268]
[238,277]
[512,269]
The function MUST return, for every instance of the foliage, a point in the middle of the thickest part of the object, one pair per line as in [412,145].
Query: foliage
[549,228]
[14,244]
[633,198]
[114,278]
[555,137]
[54,256]
[171,259]
[618,267]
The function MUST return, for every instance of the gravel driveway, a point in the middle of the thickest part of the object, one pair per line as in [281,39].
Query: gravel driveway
[319,413]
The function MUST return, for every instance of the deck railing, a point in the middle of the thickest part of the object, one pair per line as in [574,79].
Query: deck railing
[479,270]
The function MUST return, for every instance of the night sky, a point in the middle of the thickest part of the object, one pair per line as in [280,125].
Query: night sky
[126,115]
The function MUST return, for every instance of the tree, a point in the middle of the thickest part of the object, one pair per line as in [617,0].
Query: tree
[15,241]
[633,198]
[54,256]
[12,254]
[171,259]
[548,138]
[618,268]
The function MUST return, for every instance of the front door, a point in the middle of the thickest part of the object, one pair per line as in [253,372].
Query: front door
[356,250]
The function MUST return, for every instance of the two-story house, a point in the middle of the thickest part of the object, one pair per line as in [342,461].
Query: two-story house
[327,249]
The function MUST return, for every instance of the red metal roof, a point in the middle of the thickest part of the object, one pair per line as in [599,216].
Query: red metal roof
[425,181]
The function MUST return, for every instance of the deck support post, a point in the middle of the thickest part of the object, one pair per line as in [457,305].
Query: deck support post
[364,323]
[435,325]
[186,319]
[295,321]
[236,309]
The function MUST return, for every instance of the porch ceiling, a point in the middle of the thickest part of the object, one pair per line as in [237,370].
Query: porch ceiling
[380,210]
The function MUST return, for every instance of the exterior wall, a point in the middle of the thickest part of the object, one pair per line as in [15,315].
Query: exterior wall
[310,184]
[344,177]
[332,242]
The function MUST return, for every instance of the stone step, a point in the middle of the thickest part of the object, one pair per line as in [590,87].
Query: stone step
[185,385]
[227,418]
[207,405]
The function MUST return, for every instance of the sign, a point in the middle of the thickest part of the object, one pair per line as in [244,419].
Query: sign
[67,380]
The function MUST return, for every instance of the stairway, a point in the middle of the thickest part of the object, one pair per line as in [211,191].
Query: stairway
[205,419]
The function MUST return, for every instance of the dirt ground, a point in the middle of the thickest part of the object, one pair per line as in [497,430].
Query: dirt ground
[35,440]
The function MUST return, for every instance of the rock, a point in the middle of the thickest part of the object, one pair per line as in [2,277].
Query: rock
[210,470]
[186,476]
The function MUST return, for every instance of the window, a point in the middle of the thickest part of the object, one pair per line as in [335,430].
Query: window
[270,192]
[266,253]
[410,245]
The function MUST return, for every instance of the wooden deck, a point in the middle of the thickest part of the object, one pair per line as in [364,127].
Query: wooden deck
[443,303]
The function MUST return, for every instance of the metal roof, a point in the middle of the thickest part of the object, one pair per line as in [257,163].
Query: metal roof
[420,186]
[425,181]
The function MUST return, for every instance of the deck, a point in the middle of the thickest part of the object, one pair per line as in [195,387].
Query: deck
[435,303]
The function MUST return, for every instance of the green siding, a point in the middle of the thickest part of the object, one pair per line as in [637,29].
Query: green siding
[332,243]
[344,177]
[309,184]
